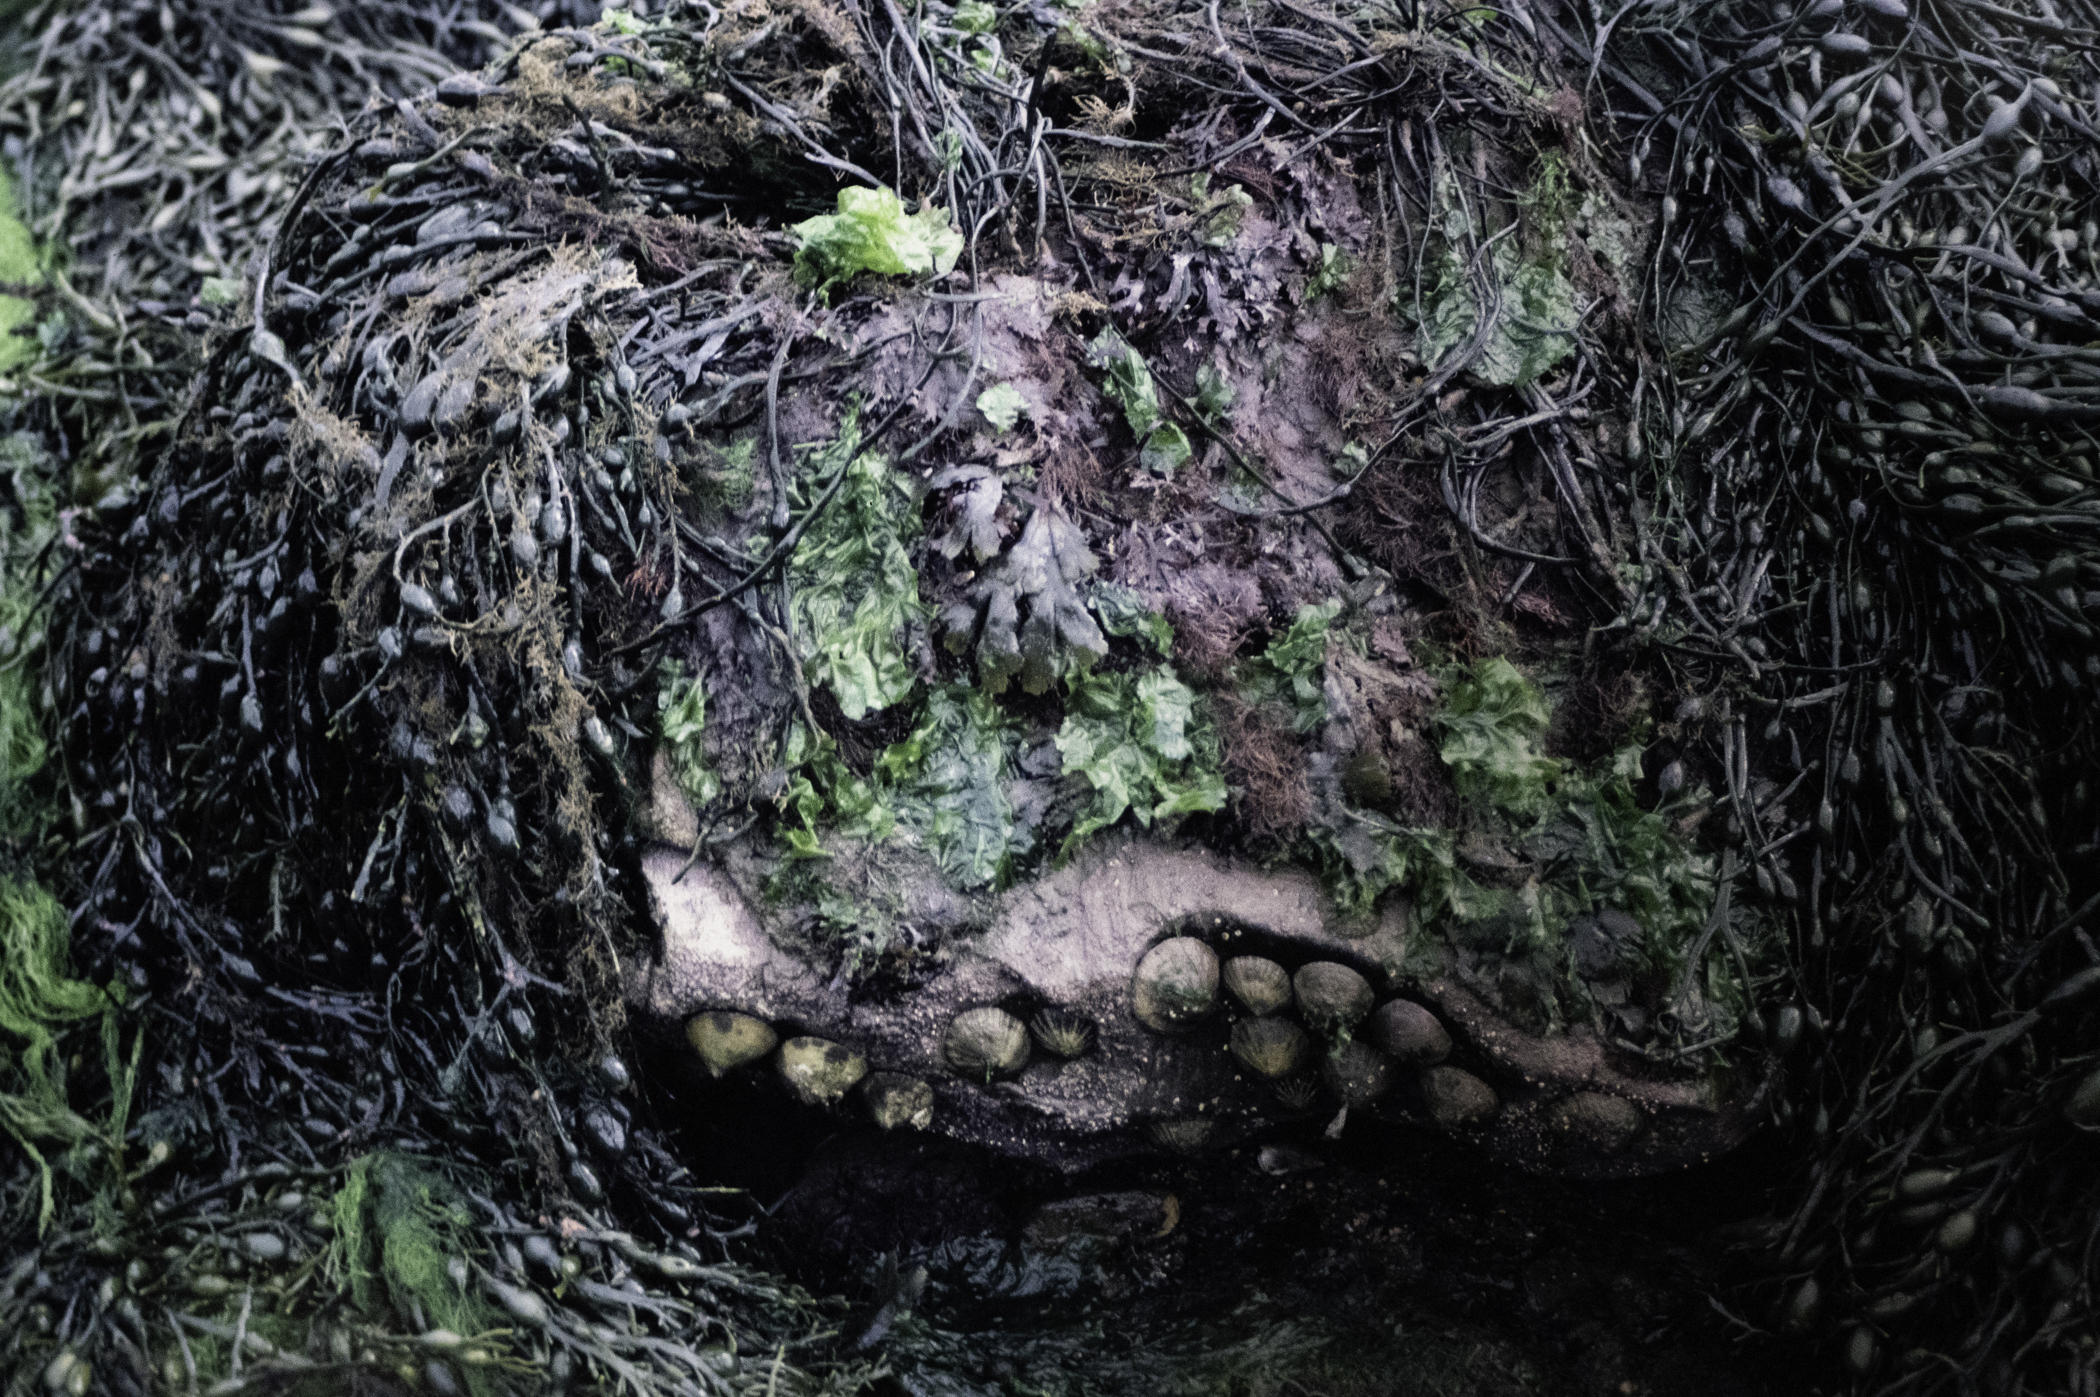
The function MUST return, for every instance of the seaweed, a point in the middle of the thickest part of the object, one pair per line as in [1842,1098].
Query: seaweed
[403,1237]
[856,593]
[1144,747]
[947,784]
[1163,447]
[682,726]
[1491,720]
[1040,575]
[871,232]
[1288,671]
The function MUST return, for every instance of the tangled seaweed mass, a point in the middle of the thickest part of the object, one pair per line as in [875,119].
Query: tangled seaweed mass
[412,462]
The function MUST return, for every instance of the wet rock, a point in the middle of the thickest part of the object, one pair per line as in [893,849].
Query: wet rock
[1176,985]
[1258,983]
[1410,1033]
[1099,1216]
[1457,1099]
[726,1040]
[1068,943]
[896,1101]
[817,1072]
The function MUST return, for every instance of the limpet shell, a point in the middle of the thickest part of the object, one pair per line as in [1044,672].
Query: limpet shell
[1270,1047]
[1258,983]
[986,1043]
[1331,996]
[1410,1033]
[1176,985]
[1357,1074]
[1457,1098]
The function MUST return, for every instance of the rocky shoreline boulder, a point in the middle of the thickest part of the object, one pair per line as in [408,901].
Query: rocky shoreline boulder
[1068,948]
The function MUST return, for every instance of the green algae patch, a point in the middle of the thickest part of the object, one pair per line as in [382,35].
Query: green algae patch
[1144,747]
[401,1230]
[856,591]
[20,266]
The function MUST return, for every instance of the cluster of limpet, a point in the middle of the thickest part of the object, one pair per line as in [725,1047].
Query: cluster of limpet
[1340,1040]
[815,1071]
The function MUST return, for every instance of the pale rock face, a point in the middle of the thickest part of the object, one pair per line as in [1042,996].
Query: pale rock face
[1071,942]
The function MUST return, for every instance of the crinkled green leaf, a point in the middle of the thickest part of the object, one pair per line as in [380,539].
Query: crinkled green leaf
[1002,406]
[1491,723]
[1330,274]
[1536,310]
[947,783]
[1057,638]
[823,791]
[1143,747]
[683,724]
[855,591]
[1363,854]
[1214,396]
[1123,612]
[1162,446]
[1129,380]
[1166,449]
[975,17]
[1289,671]
[871,232]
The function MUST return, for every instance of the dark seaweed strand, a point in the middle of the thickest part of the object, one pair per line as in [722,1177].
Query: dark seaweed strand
[1892,433]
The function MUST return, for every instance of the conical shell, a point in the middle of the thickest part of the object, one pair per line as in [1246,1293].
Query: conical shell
[1061,1033]
[818,1071]
[1457,1098]
[1594,1121]
[1331,996]
[895,1100]
[725,1039]
[1410,1033]
[986,1043]
[1257,982]
[1176,985]
[1356,1074]
[1272,1048]
[1187,1135]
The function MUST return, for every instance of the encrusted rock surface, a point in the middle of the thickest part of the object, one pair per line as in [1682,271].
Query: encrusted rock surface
[1070,942]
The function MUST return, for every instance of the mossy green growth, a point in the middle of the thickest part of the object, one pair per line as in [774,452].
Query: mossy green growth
[39,1000]
[20,266]
[724,475]
[27,522]
[403,1243]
